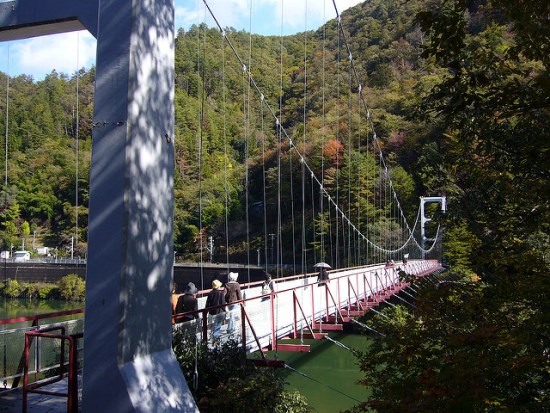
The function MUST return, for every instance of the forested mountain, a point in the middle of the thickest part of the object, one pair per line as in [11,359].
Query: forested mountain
[459,96]
[40,199]
[238,138]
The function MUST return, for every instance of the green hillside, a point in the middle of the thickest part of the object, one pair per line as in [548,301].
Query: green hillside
[459,95]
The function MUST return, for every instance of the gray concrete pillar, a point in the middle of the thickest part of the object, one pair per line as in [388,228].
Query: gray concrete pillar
[128,360]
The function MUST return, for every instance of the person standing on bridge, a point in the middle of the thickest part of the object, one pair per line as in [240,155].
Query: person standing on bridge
[323,276]
[232,295]
[174,299]
[188,302]
[267,287]
[215,301]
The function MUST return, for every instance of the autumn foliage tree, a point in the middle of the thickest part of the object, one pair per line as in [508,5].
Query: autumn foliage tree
[479,341]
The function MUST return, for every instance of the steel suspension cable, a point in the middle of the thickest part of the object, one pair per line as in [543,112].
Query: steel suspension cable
[225,154]
[279,144]
[303,168]
[6,126]
[263,180]
[321,197]
[350,165]
[247,154]
[282,132]
[77,136]
[6,129]
[201,103]
[317,381]
[337,174]
[358,196]
[292,216]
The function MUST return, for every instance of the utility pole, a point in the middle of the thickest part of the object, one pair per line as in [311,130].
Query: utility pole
[272,236]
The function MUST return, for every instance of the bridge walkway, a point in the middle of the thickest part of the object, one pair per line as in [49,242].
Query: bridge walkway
[302,307]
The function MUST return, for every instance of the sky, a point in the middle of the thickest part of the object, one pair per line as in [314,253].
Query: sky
[68,52]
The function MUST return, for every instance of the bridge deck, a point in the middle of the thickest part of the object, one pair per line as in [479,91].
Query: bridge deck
[301,307]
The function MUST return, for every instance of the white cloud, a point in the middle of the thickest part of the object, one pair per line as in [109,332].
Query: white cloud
[39,56]
[65,53]
[228,12]
[266,14]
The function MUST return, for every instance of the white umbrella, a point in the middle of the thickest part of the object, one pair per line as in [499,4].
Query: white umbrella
[322,265]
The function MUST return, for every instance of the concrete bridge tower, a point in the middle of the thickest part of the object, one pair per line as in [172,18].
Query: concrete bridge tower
[128,360]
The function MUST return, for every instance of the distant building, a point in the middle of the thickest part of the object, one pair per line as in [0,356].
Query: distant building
[21,256]
[43,251]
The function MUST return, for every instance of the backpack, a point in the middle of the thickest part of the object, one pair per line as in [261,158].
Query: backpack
[266,288]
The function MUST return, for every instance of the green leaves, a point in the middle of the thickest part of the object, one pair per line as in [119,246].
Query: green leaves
[228,382]
[477,341]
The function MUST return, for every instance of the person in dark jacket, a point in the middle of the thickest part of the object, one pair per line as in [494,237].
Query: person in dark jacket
[216,299]
[232,295]
[174,299]
[323,276]
[188,302]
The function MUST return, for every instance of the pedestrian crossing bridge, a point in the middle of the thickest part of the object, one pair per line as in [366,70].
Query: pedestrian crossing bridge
[302,307]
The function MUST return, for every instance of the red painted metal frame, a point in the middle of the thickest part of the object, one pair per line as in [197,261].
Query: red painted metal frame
[35,323]
[312,334]
[36,318]
[72,391]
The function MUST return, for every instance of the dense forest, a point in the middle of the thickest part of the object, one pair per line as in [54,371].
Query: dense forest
[459,98]
[229,177]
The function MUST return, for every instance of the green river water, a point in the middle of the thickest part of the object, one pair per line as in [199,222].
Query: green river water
[332,373]
[12,308]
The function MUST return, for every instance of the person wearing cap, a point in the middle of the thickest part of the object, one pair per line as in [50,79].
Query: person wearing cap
[232,295]
[215,302]
[188,302]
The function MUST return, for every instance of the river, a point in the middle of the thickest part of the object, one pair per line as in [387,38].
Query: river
[21,307]
[332,373]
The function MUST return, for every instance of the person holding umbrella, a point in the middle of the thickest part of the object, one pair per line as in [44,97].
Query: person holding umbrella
[323,274]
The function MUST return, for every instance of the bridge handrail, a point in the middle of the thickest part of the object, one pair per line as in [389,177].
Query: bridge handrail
[375,281]
[37,317]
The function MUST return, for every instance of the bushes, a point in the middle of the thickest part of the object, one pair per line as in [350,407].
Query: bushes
[71,288]
[227,382]
[12,289]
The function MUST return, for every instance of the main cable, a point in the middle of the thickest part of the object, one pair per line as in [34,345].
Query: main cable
[282,132]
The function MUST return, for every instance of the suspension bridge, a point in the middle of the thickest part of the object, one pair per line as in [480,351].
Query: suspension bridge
[304,307]
[128,361]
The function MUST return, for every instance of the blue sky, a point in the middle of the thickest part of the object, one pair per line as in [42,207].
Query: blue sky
[67,52]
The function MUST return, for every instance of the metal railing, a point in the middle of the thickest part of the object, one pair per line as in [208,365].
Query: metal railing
[33,339]
[44,355]
[298,304]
